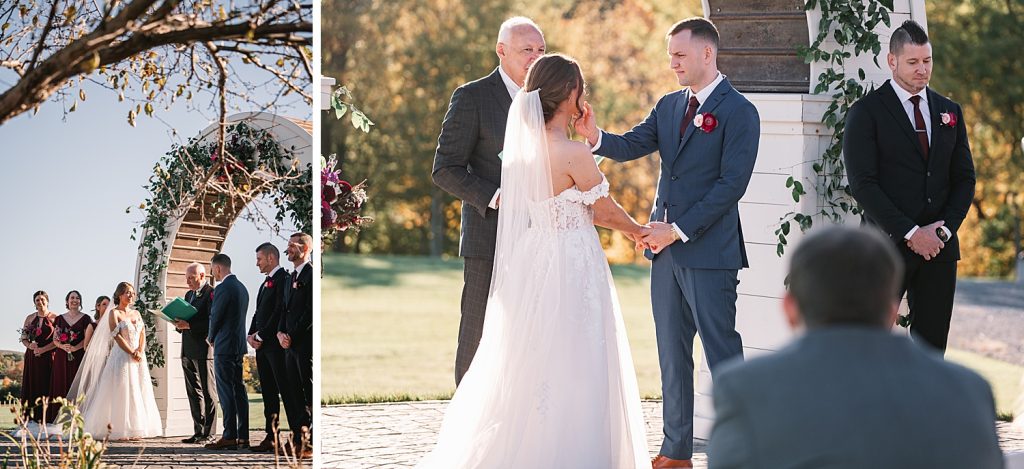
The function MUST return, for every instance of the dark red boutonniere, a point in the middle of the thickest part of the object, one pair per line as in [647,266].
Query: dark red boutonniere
[211,296]
[268,284]
[705,121]
[948,119]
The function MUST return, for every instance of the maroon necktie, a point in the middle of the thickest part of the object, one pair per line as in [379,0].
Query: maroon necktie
[691,112]
[922,131]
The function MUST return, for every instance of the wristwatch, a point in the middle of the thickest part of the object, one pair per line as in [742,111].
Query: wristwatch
[941,233]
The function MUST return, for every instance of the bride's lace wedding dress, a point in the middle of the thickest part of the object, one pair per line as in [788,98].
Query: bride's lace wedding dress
[120,396]
[552,384]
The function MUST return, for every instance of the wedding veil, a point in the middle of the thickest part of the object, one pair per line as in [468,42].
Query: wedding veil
[95,358]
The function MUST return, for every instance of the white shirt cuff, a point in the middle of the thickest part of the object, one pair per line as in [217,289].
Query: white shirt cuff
[911,232]
[682,236]
[597,145]
[257,336]
[494,200]
[949,234]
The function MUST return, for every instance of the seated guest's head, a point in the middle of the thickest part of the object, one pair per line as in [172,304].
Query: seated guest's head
[841,275]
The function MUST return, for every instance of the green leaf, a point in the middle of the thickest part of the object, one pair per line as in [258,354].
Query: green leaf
[785,228]
[789,181]
[340,110]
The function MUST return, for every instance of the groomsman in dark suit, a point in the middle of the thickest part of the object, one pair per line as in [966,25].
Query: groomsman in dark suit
[467,166]
[295,333]
[196,361]
[270,359]
[910,169]
[227,336]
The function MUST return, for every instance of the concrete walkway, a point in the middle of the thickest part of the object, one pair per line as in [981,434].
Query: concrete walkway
[400,434]
[161,453]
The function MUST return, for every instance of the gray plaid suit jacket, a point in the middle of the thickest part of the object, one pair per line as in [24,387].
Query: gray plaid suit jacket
[466,163]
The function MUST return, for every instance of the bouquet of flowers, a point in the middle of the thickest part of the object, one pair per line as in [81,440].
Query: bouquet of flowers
[340,202]
[67,336]
[30,333]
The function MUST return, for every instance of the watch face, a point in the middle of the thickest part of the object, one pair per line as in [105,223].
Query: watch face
[941,234]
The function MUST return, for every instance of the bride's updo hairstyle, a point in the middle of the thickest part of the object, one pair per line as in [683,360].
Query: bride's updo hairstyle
[121,289]
[556,76]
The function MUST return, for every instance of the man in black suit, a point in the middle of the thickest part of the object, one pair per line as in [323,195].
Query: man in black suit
[910,169]
[227,336]
[295,333]
[196,362]
[270,360]
[467,166]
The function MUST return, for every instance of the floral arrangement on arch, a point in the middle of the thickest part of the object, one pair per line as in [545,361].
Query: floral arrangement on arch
[341,202]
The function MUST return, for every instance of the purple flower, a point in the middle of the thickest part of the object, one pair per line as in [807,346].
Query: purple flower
[329,218]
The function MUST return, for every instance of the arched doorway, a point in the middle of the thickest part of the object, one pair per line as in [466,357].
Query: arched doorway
[194,232]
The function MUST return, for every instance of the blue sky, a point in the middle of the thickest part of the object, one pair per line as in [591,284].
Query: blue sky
[64,186]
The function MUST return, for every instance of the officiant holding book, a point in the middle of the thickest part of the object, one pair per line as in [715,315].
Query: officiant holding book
[196,360]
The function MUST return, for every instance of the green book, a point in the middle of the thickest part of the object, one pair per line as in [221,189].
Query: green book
[178,308]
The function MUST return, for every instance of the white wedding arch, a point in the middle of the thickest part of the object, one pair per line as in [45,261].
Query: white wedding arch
[195,234]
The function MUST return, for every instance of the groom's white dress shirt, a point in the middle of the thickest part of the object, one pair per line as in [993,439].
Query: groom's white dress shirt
[702,96]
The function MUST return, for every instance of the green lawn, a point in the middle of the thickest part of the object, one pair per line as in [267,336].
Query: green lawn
[256,419]
[390,323]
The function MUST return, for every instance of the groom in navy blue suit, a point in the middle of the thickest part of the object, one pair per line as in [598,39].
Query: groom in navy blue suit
[227,336]
[707,136]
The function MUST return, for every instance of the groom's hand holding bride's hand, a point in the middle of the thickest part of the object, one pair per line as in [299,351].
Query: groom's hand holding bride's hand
[662,235]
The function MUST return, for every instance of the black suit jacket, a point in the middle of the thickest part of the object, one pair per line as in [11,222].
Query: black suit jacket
[193,339]
[270,306]
[466,163]
[892,180]
[227,317]
[297,322]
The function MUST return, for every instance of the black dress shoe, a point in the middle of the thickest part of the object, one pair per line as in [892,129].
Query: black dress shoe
[194,439]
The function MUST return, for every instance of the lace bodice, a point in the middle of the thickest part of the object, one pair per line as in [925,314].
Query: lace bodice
[572,209]
[132,328]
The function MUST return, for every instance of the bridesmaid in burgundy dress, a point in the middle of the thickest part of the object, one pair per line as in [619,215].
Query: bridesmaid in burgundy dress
[73,331]
[37,337]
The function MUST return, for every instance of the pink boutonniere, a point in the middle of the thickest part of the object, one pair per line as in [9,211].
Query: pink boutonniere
[705,121]
[948,119]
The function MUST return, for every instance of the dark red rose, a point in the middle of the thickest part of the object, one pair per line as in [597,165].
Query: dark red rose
[39,331]
[330,194]
[211,296]
[269,284]
[344,188]
[63,337]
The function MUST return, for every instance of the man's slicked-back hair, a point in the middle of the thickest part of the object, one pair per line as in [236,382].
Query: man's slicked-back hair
[222,260]
[845,275]
[268,249]
[908,33]
[700,28]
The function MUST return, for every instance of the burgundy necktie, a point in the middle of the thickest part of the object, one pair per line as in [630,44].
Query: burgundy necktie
[922,131]
[691,112]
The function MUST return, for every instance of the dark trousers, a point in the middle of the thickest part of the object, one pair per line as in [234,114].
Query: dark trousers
[233,400]
[270,365]
[202,393]
[477,278]
[299,400]
[930,287]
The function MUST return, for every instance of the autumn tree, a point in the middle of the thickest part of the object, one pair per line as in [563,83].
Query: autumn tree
[153,53]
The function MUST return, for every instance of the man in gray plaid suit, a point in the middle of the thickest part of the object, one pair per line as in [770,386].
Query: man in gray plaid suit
[467,166]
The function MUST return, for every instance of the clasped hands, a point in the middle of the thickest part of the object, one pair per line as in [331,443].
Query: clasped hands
[655,236]
[925,242]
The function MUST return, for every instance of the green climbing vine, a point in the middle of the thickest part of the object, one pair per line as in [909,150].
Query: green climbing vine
[250,163]
[851,24]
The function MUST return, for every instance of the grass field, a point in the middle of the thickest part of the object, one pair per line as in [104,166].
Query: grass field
[256,420]
[390,323]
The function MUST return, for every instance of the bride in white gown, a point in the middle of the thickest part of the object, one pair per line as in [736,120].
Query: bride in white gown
[552,384]
[114,380]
